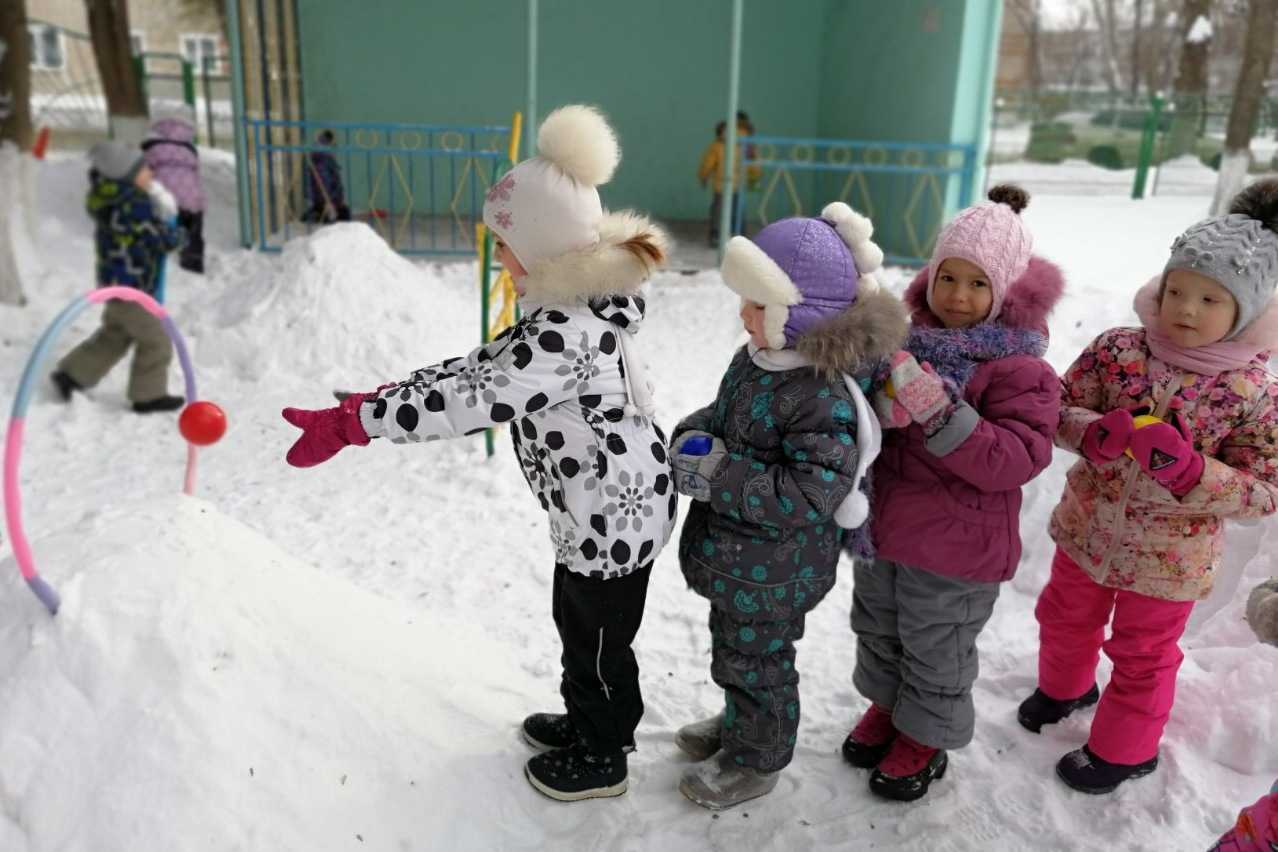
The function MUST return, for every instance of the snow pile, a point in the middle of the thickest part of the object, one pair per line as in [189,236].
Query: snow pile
[338,300]
[201,689]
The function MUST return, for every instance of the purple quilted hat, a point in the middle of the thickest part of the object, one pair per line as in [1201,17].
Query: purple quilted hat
[803,271]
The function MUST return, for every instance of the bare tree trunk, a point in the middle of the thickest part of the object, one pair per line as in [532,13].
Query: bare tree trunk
[1191,79]
[1258,52]
[109,30]
[1105,21]
[16,167]
[15,75]
[1136,25]
[1029,15]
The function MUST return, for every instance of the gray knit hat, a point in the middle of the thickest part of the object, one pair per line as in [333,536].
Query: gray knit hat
[116,161]
[1238,250]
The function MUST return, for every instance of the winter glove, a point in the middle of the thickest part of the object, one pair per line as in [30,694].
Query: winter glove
[1164,451]
[920,392]
[693,470]
[166,206]
[1107,437]
[326,431]
[1262,611]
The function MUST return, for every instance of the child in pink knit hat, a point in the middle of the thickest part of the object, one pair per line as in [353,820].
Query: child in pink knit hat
[969,419]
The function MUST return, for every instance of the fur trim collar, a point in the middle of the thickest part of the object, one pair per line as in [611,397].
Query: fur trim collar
[1027,304]
[851,342]
[607,268]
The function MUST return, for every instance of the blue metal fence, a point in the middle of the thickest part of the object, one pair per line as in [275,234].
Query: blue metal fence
[908,189]
[420,186]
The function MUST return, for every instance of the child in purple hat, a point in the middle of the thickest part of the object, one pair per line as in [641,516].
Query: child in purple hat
[774,466]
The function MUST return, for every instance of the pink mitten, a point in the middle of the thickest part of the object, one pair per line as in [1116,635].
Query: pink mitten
[919,390]
[1107,438]
[325,431]
[1164,451]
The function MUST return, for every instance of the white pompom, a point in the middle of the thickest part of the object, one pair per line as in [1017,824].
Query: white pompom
[629,410]
[578,139]
[868,256]
[851,225]
[853,511]
[868,283]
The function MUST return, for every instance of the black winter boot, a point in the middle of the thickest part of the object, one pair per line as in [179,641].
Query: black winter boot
[1039,710]
[550,730]
[575,773]
[1087,773]
[161,403]
[66,385]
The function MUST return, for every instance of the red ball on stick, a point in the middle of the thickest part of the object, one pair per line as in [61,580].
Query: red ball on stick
[202,423]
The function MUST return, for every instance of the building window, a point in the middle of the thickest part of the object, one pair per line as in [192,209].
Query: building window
[196,47]
[46,47]
[137,42]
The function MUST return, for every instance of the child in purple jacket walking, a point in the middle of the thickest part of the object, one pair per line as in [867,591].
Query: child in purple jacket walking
[974,407]
[170,152]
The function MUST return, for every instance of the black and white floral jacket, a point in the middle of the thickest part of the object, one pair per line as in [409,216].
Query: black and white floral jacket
[558,379]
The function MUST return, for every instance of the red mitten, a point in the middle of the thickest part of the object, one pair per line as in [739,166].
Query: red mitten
[1107,438]
[326,431]
[1165,452]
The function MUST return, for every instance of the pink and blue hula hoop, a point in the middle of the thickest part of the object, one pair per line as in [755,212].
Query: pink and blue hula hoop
[17,422]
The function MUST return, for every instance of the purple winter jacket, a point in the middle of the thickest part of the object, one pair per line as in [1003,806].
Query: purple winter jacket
[170,152]
[958,513]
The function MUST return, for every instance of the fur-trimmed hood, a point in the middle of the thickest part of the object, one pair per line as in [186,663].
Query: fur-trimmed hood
[608,268]
[1027,304]
[870,330]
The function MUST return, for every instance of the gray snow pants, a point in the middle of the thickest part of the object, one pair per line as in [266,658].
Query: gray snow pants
[916,647]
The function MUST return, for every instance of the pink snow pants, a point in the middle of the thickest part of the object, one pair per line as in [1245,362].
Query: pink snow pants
[1072,612]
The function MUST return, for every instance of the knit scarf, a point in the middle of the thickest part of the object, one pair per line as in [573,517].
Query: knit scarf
[955,353]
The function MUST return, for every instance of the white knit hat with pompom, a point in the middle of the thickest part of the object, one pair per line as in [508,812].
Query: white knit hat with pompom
[549,205]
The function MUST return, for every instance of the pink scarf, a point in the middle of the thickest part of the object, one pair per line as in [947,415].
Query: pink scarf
[1218,357]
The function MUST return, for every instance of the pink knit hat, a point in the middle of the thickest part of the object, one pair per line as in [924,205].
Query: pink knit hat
[993,236]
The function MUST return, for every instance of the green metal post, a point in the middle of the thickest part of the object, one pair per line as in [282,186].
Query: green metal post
[139,71]
[726,184]
[188,84]
[1147,145]
[208,101]
[238,128]
[530,117]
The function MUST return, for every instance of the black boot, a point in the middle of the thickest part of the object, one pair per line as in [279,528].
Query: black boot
[161,403]
[550,730]
[66,385]
[1087,773]
[1039,710]
[907,770]
[575,773]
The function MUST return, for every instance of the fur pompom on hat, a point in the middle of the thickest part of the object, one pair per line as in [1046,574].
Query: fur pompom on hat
[804,271]
[1262,611]
[992,236]
[549,205]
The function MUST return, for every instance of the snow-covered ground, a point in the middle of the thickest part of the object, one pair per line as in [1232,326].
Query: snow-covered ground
[338,658]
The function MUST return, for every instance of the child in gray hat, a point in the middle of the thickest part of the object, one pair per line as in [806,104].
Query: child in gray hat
[1140,527]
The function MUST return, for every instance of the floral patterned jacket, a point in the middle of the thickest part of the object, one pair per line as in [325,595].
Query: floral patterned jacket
[1121,526]
[556,378]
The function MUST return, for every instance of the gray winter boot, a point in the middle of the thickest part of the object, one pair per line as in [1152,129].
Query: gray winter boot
[720,783]
[701,739]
